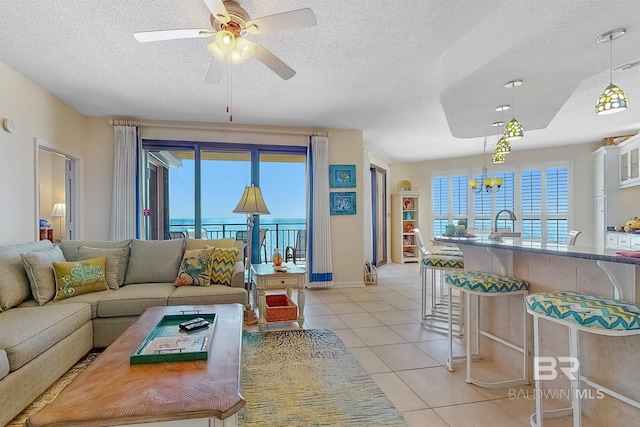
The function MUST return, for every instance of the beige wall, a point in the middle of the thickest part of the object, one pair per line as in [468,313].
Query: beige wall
[41,116]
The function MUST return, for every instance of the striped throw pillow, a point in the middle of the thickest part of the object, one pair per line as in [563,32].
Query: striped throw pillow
[223,263]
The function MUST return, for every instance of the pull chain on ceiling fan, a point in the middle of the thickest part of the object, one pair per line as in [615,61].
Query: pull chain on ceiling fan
[231,24]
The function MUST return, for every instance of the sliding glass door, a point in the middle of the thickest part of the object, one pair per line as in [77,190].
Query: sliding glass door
[192,189]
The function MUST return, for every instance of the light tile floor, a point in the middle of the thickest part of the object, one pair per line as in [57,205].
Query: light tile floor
[381,325]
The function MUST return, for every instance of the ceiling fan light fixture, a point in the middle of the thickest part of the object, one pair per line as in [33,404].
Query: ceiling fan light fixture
[245,48]
[225,41]
[216,51]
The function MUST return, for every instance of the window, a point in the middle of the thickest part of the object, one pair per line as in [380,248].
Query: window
[449,201]
[538,195]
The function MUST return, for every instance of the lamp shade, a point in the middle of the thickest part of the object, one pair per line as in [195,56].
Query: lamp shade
[252,202]
[58,210]
[513,130]
[497,158]
[612,100]
[503,146]
[225,40]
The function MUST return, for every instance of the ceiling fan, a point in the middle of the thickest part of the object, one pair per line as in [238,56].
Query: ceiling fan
[230,24]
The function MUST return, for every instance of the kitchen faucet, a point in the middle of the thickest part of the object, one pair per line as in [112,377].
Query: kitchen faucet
[495,236]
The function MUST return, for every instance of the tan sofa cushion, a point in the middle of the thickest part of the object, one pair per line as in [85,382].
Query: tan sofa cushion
[90,298]
[29,331]
[116,265]
[14,283]
[133,300]
[76,250]
[4,364]
[40,272]
[154,261]
[214,294]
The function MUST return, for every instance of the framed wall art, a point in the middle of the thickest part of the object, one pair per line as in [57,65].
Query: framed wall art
[342,176]
[342,203]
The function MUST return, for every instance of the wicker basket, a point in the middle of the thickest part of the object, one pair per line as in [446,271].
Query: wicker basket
[280,308]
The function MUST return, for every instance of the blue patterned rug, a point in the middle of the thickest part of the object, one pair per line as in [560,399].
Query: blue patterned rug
[309,378]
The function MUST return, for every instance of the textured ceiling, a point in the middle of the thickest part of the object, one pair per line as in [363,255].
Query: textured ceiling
[421,78]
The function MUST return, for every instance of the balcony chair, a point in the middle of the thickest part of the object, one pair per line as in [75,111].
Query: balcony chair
[299,250]
[242,236]
[174,235]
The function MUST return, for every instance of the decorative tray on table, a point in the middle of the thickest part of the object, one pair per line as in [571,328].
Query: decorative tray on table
[168,341]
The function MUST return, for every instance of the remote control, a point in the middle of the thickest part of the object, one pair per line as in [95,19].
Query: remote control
[190,322]
[198,325]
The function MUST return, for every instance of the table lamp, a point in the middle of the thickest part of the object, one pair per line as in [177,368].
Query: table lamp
[251,203]
[58,211]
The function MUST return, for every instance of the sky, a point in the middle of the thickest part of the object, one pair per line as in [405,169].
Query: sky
[282,185]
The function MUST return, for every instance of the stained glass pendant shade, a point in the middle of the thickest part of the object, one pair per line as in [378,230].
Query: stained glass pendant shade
[503,147]
[612,99]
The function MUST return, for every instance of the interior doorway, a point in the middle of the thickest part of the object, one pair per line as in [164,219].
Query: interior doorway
[379,214]
[56,201]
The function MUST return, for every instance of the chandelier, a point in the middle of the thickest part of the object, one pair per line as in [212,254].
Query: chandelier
[486,182]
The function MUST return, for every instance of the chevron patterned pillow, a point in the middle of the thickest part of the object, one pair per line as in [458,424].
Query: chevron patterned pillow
[223,263]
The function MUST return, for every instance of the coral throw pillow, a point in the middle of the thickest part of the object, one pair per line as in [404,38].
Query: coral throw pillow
[223,264]
[195,268]
[79,277]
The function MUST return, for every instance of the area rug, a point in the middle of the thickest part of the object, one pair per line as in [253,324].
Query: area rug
[52,392]
[309,378]
[289,378]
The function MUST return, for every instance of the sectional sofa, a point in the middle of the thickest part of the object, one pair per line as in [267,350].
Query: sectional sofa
[40,338]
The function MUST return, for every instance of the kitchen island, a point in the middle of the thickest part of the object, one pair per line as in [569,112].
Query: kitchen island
[548,266]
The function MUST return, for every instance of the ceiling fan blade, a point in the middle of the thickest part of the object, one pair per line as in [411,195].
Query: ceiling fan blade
[273,62]
[218,10]
[153,36]
[216,69]
[282,21]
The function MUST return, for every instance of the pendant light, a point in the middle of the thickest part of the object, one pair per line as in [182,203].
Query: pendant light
[503,147]
[514,129]
[613,99]
[485,182]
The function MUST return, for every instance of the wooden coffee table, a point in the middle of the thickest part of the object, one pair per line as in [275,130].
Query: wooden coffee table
[113,392]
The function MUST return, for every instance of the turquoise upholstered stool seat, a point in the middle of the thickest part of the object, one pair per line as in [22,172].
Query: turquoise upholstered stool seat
[586,310]
[443,260]
[589,314]
[474,285]
[476,281]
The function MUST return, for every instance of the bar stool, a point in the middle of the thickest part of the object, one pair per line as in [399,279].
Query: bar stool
[441,307]
[448,258]
[483,284]
[587,313]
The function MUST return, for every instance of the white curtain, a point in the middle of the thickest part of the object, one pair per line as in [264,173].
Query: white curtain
[125,211]
[319,266]
[367,220]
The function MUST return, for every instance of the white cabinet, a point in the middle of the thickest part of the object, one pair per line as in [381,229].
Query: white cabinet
[623,241]
[404,218]
[629,162]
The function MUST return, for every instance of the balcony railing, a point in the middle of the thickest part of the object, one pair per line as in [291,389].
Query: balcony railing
[279,235]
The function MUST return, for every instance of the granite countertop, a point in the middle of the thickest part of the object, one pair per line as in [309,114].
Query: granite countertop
[540,247]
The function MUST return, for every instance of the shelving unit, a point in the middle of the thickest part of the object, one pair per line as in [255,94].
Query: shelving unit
[404,218]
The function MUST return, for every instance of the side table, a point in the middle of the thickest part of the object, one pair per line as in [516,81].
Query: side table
[265,278]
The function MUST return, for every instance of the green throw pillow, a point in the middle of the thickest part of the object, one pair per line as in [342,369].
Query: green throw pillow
[79,277]
[222,265]
[195,268]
